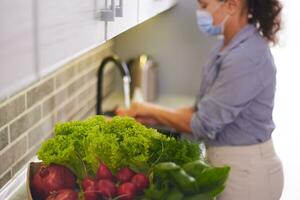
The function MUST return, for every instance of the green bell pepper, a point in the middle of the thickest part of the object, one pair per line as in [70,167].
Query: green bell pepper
[185,182]
[195,168]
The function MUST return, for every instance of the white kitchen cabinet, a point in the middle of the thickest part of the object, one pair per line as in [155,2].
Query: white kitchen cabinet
[122,23]
[39,36]
[66,29]
[17,68]
[150,8]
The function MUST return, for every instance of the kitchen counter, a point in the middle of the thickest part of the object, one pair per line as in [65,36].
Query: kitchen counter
[171,101]
[20,192]
[18,189]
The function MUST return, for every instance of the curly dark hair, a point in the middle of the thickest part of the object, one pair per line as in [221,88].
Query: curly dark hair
[266,16]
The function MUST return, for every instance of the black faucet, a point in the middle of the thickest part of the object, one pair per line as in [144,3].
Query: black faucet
[126,81]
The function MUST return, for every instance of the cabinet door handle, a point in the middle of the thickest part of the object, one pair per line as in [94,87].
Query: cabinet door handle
[119,9]
[108,14]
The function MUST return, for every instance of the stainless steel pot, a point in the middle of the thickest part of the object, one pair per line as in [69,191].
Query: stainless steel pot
[144,76]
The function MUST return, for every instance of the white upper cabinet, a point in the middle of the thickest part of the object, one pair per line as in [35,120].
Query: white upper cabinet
[150,8]
[39,36]
[126,16]
[17,63]
[66,29]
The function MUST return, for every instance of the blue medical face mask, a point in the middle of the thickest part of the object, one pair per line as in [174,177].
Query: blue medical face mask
[205,22]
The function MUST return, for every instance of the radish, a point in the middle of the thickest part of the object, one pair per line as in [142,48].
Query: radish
[125,175]
[64,194]
[103,172]
[37,184]
[87,182]
[91,193]
[69,177]
[51,178]
[140,181]
[106,188]
[127,191]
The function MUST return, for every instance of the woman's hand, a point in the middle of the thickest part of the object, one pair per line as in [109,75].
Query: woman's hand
[150,114]
[136,109]
[139,110]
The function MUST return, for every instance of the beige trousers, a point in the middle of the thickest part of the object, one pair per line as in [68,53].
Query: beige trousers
[256,171]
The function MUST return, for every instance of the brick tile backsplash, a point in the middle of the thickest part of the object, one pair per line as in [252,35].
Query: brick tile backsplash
[67,110]
[28,117]
[3,138]
[24,160]
[12,109]
[43,130]
[22,124]
[66,75]
[5,178]
[76,85]
[54,101]
[39,92]
[11,155]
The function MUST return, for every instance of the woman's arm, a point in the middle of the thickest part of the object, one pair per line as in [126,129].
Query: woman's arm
[178,119]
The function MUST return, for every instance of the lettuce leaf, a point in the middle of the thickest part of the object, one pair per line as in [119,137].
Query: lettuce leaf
[120,142]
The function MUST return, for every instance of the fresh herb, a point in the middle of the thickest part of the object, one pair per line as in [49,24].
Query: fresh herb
[61,150]
[120,142]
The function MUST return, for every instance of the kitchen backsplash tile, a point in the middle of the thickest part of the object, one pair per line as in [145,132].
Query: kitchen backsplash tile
[5,178]
[28,117]
[51,103]
[23,160]
[3,138]
[76,85]
[12,154]
[85,64]
[68,109]
[37,93]
[86,111]
[11,109]
[66,75]
[40,132]
[18,127]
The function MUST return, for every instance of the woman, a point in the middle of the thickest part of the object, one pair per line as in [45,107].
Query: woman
[233,110]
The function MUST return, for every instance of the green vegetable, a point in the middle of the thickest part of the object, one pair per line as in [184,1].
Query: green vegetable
[199,197]
[154,193]
[195,168]
[199,181]
[166,167]
[215,192]
[171,150]
[213,179]
[161,173]
[185,182]
[61,150]
[209,179]
[68,147]
[175,194]
[118,143]
[103,147]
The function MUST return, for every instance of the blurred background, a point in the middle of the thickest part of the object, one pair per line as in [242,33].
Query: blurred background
[50,52]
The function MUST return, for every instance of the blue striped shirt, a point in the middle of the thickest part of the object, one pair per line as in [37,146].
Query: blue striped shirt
[236,97]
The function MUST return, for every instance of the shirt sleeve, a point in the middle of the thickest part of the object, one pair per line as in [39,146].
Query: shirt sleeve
[235,87]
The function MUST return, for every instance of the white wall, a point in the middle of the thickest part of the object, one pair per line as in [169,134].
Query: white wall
[287,108]
[174,41]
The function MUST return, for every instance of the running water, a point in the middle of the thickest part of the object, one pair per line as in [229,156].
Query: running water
[126,89]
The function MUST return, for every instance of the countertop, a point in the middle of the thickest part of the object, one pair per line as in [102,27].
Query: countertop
[115,99]
[171,101]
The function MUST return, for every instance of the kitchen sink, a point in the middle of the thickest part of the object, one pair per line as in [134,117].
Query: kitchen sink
[160,128]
